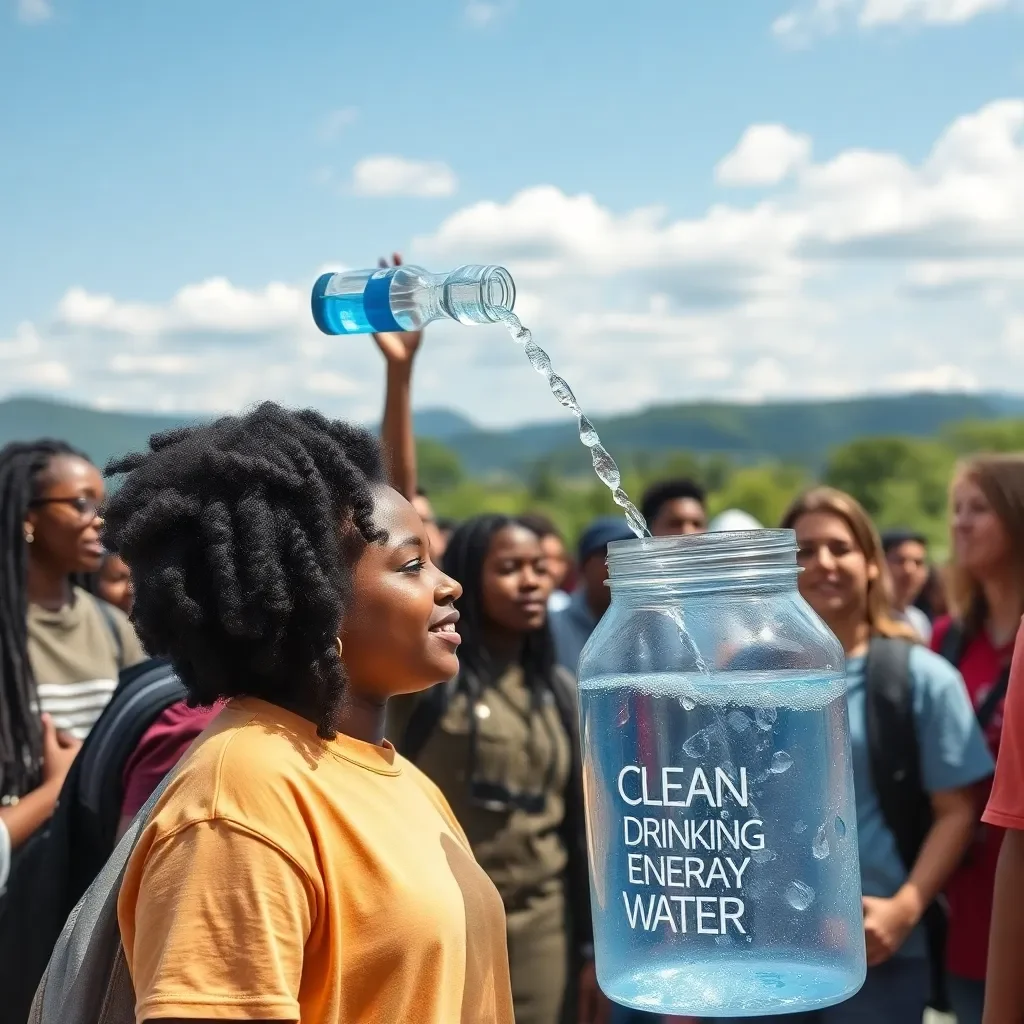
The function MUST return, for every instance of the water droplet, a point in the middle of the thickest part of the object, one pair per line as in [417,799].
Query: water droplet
[781,762]
[820,847]
[724,814]
[799,896]
[799,827]
[765,718]
[687,703]
[840,827]
[588,435]
[762,856]
[698,744]
[623,715]
[738,721]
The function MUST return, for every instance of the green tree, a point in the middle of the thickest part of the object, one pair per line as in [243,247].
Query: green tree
[975,436]
[438,467]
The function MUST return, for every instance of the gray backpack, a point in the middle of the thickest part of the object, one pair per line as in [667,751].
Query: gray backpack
[87,979]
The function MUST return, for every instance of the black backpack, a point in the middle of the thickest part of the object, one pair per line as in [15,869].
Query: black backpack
[896,768]
[52,870]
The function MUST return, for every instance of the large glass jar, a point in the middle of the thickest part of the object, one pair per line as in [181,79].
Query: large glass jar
[719,793]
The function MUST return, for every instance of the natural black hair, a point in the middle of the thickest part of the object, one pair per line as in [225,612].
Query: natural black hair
[23,466]
[464,561]
[664,491]
[540,524]
[241,535]
[895,537]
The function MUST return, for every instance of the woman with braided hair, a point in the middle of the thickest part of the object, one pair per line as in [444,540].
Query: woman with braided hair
[296,867]
[60,648]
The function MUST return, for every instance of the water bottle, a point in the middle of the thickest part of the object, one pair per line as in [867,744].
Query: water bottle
[406,298]
[720,812]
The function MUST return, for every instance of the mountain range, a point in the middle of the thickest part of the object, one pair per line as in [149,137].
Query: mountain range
[802,432]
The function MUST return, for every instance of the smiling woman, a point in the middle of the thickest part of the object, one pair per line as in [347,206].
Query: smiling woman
[282,576]
[60,649]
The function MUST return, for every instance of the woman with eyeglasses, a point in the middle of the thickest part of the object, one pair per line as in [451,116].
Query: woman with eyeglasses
[60,648]
[500,741]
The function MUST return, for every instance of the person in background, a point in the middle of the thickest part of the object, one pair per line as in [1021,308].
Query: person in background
[906,554]
[111,583]
[559,563]
[987,592]
[933,600]
[843,580]
[1004,976]
[732,520]
[446,527]
[501,741]
[673,507]
[296,867]
[571,627]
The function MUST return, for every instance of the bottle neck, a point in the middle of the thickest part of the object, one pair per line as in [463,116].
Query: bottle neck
[473,294]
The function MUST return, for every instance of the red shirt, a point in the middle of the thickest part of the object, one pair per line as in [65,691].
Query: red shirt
[1006,804]
[969,890]
[159,751]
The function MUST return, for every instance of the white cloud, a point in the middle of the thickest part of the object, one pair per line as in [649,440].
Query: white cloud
[765,155]
[397,176]
[860,272]
[826,17]
[334,123]
[484,13]
[33,12]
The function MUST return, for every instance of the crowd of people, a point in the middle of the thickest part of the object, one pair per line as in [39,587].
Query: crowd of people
[383,820]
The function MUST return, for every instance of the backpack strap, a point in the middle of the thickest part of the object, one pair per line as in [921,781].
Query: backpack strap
[953,643]
[893,747]
[952,649]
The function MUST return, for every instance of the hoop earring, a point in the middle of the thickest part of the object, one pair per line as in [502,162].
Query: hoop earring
[337,641]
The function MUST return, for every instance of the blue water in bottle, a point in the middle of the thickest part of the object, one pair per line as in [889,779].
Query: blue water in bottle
[719,792]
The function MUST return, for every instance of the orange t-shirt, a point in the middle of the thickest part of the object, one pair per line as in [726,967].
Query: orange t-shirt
[1006,802]
[284,877]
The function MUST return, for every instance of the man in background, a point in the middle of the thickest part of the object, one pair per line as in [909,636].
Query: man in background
[571,627]
[906,553]
[675,507]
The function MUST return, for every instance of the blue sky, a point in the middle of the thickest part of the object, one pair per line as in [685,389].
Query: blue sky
[697,199]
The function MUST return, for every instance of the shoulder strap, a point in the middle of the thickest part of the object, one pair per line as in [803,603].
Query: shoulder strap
[893,745]
[992,698]
[953,643]
[111,620]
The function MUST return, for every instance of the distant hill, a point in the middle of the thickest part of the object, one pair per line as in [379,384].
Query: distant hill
[795,431]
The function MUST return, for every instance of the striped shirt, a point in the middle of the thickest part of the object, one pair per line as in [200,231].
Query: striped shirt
[76,656]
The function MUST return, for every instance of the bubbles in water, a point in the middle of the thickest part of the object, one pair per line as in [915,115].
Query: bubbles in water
[623,714]
[698,744]
[765,718]
[781,762]
[799,896]
[800,827]
[723,940]
[604,464]
[820,847]
[840,827]
[686,703]
[738,721]
[762,856]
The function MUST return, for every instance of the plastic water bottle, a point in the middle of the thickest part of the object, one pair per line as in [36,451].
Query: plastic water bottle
[406,298]
[720,809]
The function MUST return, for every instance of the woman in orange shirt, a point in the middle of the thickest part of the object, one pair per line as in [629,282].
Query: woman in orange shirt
[297,868]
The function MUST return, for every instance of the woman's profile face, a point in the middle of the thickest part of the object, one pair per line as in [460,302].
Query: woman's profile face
[400,632]
[981,544]
[836,573]
[63,520]
[515,583]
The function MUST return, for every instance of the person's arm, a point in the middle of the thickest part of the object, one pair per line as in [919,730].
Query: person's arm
[1004,979]
[399,442]
[35,808]
[888,922]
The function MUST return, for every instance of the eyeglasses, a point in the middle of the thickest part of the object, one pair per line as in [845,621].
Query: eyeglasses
[86,507]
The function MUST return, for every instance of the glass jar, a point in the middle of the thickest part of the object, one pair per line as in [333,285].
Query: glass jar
[721,822]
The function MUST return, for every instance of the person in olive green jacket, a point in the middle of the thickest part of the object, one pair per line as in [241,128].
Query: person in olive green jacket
[501,741]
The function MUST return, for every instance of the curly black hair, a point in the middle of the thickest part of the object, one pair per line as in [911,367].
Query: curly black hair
[241,536]
[23,465]
[464,561]
[664,491]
